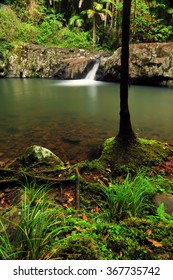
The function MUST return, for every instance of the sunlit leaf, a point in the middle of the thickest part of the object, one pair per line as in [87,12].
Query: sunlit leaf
[90,13]
[98,6]
[154,242]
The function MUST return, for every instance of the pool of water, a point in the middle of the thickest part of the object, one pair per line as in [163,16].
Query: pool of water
[73,118]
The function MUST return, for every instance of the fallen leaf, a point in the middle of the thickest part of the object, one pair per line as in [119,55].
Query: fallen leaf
[2,195]
[70,199]
[80,229]
[106,236]
[154,242]
[84,217]
[97,209]
[3,201]
[149,250]
[149,231]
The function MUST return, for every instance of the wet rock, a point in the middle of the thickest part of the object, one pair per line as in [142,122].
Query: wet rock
[38,154]
[48,62]
[165,198]
[149,63]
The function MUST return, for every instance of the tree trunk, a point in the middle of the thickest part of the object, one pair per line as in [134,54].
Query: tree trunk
[94,29]
[126,134]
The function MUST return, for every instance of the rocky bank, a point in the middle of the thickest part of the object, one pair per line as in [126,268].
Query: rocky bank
[150,63]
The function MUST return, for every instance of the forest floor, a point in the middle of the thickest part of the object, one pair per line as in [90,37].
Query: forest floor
[93,217]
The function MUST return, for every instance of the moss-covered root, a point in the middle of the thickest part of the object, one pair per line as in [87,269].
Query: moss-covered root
[143,153]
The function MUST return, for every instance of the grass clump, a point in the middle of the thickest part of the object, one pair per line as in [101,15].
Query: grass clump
[35,233]
[132,197]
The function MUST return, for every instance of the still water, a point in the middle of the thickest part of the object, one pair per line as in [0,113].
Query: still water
[72,118]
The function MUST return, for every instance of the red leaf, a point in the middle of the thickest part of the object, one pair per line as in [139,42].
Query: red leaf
[84,217]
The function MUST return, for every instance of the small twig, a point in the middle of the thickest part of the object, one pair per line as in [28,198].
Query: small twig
[7,181]
[77,190]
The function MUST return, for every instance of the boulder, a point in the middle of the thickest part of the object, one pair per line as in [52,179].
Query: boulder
[38,154]
[165,198]
[149,63]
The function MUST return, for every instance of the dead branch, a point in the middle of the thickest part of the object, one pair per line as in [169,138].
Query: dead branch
[77,190]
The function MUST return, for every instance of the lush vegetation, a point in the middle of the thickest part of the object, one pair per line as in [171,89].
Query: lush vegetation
[117,217]
[82,23]
[118,221]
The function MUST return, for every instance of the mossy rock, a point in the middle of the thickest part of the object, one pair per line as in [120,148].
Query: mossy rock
[38,154]
[133,156]
[80,247]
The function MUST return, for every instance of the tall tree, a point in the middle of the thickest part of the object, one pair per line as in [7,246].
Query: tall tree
[126,135]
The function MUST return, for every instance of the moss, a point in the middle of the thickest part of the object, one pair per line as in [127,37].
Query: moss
[143,153]
[137,239]
[79,247]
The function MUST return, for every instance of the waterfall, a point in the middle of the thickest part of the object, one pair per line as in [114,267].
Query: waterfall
[91,74]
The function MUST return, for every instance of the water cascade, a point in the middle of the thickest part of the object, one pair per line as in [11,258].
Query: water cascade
[91,74]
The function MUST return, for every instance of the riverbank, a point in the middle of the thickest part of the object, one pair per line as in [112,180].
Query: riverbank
[85,211]
[149,63]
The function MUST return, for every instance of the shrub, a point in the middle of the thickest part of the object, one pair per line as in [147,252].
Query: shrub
[8,24]
[27,33]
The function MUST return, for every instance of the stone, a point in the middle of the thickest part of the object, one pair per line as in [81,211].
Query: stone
[39,154]
[28,61]
[165,198]
[149,63]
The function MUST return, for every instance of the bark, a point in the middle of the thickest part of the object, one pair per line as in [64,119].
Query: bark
[126,134]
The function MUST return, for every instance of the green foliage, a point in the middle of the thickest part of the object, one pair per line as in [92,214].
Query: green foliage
[132,197]
[41,23]
[8,24]
[40,229]
[76,21]
[73,39]
[147,27]
[34,235]
[136,240]
[79,247]
[26,33]
[161,215]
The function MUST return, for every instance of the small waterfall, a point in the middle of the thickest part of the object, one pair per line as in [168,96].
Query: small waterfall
[91,74]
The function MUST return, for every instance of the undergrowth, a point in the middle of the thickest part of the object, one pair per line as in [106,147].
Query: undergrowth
[122,224]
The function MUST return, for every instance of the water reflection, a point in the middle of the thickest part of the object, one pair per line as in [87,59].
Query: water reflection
[51,113]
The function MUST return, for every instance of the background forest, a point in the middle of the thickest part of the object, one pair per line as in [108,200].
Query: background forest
[82,23]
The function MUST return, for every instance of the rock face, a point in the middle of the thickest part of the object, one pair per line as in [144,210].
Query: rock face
[165,198]
[45,62]
[148,64]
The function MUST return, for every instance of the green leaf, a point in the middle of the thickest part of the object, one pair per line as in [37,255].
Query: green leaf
[73,177]
[90,13]
[98,6]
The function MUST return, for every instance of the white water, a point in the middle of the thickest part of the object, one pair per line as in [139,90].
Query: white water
[89,80]
[81,82]
[91,74]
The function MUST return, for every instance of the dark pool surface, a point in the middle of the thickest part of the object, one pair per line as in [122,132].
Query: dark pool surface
[73,118]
